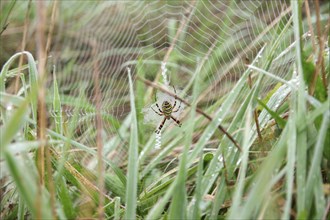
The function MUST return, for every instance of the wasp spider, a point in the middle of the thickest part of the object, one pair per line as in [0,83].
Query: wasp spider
[166,111]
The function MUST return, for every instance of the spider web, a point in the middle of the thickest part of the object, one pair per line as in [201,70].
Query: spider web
[113,35]
[152,117]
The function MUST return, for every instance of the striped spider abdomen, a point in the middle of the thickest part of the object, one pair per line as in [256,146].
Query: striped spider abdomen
[167,109]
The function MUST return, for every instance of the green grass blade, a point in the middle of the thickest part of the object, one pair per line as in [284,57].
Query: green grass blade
[280,121]
[290,167]
[21,211]
[319,198]
[223,111]
[316,160]
[139,102]
[179,199]
[300,112]
[213,169]
[113,166]
[15,122]
[27,188]
[158,208]
[259,192]
[65,200]
[193,210]
[32,76]
[57,107]
[117,208]
[6,15]
[132,171]
[238,195]
[219,197]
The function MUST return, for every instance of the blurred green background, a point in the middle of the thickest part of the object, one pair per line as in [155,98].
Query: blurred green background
[253,77]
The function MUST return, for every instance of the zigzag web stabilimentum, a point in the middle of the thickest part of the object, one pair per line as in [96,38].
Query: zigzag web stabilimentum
[150,116]
[111,35]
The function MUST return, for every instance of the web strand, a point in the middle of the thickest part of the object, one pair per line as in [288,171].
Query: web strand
[140,34]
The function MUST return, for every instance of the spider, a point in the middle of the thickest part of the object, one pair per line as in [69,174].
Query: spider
[166,111]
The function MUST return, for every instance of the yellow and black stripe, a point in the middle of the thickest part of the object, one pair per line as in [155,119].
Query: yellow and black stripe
[167,109]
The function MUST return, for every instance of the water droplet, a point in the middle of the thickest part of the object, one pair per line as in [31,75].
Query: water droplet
[9,107]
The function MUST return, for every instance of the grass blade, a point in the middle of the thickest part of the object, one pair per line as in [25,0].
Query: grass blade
[16,121]
[27,188]
[179,200]
[238,195]
[301,113]
[64,198]
[316,159]
[132,171]
[291,159]
[259,191]
[57,108]
[117,208]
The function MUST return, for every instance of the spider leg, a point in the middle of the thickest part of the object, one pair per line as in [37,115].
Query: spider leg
[175,102]
[174,89]
[175,98]
[159,108]
[177,108]
[160,114]
[160,126]
[177,121]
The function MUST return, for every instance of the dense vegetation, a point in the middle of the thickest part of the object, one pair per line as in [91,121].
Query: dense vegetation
[254,92]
